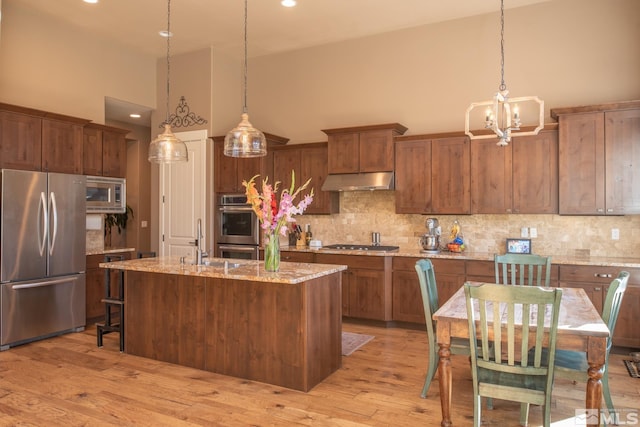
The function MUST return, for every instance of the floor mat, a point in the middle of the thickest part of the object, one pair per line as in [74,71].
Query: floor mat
[352,341]
[633,368]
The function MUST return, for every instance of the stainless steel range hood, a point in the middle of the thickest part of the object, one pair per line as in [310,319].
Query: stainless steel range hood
[359,181]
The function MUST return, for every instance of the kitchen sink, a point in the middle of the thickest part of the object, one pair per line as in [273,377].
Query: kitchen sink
[216,263]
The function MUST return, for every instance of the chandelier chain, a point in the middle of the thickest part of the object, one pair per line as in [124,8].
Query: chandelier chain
[502,85]
[244,106]
[168,56]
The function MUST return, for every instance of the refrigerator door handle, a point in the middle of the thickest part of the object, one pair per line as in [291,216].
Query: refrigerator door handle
[45,283]
[52,242]
[43,223]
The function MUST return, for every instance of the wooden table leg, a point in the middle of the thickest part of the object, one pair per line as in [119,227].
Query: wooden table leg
[446,379]
[596,355]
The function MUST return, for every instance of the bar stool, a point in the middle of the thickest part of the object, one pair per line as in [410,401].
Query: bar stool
[113,300]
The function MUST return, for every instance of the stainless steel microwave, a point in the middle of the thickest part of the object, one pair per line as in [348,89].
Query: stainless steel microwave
[106,195]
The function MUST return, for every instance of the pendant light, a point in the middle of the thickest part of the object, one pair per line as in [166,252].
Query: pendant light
[167,148]
[503,120]
[244,140]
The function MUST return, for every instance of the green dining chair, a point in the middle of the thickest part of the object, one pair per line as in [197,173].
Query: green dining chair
[572,365]
[498,375]
[523,269]
[429,292]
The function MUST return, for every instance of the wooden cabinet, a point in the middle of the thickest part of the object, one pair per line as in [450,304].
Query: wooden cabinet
[104,151]
[519,178]
[484,271]
[363,148]
[308,161]
[295,256]
[432,175]
[595,280]
[61,146]
[21,141]
[95,280]
[229,172]
[366,285]
[599,151]
[407,298]
[41,141]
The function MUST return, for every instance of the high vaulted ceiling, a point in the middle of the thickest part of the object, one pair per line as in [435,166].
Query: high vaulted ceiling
[272,28]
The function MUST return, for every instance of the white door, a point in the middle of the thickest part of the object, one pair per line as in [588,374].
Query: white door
[182,198]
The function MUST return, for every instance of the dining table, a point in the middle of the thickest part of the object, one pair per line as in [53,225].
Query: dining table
[580,328]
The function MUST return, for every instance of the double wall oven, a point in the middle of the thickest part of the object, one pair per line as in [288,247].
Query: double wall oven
[238,228]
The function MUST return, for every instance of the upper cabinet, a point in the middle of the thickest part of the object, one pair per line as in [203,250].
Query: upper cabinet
[599,153]
[38,140]
[229,172]
[363,148]
[432,174]
[21,140]
[104,151]
[308,161]
[521,177]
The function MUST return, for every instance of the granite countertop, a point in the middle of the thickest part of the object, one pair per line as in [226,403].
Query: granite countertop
[477,256]
[109,251]
[250,270]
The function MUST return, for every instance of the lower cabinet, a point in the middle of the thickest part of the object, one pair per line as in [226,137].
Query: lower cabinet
[595,280]
[294,256]
[484,271]
[366,285]
[95,291]
[407,299]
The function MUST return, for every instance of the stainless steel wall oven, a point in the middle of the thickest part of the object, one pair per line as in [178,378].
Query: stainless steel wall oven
[238,228]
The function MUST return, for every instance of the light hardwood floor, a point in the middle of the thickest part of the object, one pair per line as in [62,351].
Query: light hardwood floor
[68,381]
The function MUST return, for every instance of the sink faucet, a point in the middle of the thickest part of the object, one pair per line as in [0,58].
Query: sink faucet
[199,236]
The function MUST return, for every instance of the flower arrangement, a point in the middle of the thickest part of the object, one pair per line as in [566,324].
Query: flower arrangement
[276,213]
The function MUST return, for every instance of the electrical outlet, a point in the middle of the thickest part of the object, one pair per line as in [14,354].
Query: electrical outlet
[615,234]
[524,232]
[533,232]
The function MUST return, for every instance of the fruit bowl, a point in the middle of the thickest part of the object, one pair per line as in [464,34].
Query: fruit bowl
[455,247]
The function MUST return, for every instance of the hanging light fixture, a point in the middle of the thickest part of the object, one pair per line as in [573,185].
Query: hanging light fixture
[244,140]
[499,115]
[167,148]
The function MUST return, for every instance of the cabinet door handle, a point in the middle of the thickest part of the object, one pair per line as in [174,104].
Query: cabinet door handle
[597,289]
[603,275]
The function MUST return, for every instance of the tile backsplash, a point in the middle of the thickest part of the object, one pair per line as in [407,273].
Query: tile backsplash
[364,212]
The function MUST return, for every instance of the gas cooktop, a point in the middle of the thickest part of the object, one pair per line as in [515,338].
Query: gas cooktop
[350,247]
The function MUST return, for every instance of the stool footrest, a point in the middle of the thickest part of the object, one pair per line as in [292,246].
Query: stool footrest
[112,301]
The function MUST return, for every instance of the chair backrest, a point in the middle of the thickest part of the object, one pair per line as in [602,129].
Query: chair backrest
[429,292]
[613,301]
[523,269]
[520,329]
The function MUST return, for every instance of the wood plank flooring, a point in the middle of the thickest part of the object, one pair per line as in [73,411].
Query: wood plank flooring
[68,381]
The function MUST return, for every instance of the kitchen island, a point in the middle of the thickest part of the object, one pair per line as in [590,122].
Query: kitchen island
[235,318]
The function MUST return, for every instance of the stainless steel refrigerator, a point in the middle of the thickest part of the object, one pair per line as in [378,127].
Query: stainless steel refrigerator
[42,255]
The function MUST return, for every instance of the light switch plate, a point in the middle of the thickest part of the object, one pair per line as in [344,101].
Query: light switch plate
[533,232]
[524,232]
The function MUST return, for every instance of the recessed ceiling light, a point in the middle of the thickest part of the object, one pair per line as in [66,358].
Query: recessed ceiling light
[134,116]
[90,1]
[165,33]
[288,3]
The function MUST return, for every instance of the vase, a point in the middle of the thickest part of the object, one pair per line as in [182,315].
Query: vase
[272,252]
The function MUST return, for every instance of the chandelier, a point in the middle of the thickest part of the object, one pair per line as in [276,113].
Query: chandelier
[503,115]
[244,140]
[167,148]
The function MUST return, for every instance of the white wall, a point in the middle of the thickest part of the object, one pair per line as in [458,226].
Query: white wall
[54,67]
[568,52]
